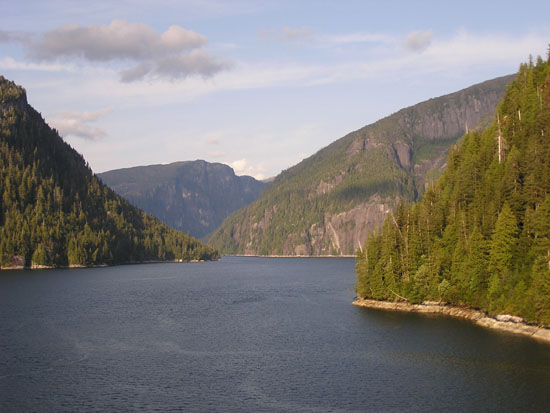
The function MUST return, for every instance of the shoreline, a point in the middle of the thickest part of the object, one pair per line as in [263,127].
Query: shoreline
[76,266]
[477,316]
[289,256]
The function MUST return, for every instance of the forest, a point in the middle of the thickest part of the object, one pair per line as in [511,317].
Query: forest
[480,237]
[55,212]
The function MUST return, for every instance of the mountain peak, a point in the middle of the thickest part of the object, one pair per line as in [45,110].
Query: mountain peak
[11,94]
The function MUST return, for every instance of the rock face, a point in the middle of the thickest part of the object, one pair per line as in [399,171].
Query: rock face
[193,197]
[329,202]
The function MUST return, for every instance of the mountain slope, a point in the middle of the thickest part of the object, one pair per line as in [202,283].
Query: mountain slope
[481,235]
[55,212]
[326,204]
[193,197]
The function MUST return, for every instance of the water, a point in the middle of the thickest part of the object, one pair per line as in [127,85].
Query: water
[246,334]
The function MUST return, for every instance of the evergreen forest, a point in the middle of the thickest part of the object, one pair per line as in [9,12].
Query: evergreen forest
[480,237]
[55,212]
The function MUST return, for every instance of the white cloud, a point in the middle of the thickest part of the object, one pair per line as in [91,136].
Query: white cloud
[418,41]
[78,124]
[243,167]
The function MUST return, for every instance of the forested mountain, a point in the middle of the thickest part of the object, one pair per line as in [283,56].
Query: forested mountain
[55,212]
[193,197]
[329,202]
[481,235]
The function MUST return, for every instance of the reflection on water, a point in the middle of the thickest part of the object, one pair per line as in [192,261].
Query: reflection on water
[246,334]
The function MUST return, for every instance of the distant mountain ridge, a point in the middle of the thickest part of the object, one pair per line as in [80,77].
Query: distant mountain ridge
[55,212]
[190,196]
[329,202]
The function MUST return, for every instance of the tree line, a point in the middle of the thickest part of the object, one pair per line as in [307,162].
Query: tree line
[481,235]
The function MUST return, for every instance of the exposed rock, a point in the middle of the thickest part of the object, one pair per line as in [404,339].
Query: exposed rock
[404,154]
[510,318]
[511,324]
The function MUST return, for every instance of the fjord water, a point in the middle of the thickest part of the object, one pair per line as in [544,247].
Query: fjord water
[246,334]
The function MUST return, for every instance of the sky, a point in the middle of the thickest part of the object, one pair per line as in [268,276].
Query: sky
[259,85]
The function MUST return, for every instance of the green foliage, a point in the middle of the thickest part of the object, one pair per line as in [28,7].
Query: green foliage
[55,212]
[482,232]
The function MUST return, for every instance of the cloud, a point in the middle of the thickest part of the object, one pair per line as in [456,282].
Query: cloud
[418,41]
[174,54]
[117,40]
[242,167]
[301,33]
[5,36]
[213,141]
[217,154]
[357,38]
[287,34]
[78,124]
[85,116]
[197,62]
[11,36]
[9,63]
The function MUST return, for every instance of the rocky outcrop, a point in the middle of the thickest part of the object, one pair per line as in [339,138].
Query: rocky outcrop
[503,322]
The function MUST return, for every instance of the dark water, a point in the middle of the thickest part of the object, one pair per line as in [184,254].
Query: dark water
[246,334]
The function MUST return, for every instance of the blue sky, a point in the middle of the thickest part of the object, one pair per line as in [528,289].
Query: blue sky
[259,85]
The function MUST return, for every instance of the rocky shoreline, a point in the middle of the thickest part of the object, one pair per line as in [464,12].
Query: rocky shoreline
[291,256]
[501,322]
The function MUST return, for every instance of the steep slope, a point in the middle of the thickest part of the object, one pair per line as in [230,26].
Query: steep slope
[326,204]
[193,197]
[481,235]
[55,212]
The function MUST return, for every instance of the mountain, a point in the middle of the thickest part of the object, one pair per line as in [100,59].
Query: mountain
[329,202]
[55,212]
[193,197]
[481,235]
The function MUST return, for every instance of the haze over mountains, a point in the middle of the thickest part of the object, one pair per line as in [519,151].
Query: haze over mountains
[192,196]
[329,202]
